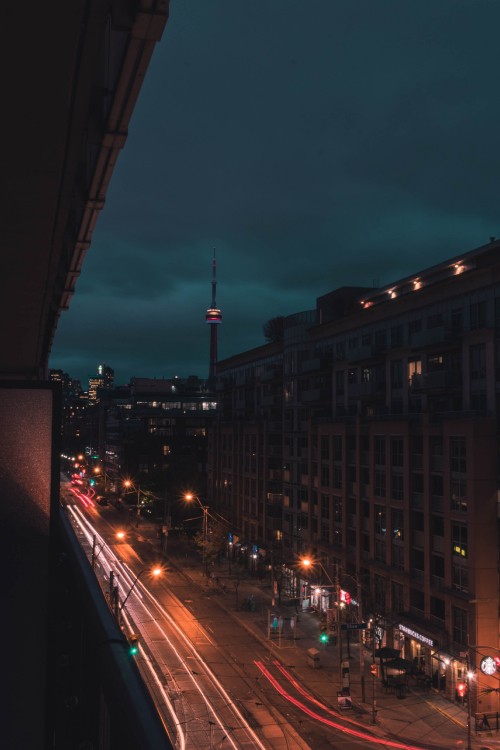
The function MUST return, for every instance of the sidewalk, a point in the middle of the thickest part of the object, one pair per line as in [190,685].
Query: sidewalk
[423,718]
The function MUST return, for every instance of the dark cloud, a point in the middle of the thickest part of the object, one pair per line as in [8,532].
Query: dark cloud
[338,143]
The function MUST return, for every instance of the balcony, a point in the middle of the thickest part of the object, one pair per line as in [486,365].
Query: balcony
[367,390]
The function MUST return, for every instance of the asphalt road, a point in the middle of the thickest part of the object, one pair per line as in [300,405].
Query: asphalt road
[214,683]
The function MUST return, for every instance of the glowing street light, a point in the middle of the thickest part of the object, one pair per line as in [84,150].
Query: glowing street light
[189,497]
[154,572]
[133,488]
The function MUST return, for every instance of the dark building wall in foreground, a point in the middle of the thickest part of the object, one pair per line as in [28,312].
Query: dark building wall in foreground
[28,489]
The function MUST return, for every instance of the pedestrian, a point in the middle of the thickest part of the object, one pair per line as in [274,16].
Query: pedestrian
[485,724]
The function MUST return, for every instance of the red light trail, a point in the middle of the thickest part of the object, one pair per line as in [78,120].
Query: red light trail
[335,725]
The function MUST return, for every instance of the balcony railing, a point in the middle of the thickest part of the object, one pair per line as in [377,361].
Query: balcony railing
[98,664]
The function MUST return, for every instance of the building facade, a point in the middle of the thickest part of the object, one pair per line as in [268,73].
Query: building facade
[368,440]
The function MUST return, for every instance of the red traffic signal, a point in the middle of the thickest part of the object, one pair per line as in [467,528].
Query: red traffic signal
[461,689]
[373,669]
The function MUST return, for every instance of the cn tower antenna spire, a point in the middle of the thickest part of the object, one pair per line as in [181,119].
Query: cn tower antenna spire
[213,318]
[214,281]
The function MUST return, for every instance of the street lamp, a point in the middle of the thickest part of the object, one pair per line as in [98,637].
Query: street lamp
[189,497]
[128,483]
[155,572]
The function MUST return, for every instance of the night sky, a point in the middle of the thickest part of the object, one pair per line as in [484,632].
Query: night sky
[314,145]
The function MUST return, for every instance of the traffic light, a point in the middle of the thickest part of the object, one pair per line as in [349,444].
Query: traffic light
[461,689]
[133,644]
[324,637]
[373,669]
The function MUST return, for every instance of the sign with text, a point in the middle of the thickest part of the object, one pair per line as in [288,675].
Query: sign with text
[353,626]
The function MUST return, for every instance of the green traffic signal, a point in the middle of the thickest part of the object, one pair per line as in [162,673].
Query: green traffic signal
[324,637]
[133,644]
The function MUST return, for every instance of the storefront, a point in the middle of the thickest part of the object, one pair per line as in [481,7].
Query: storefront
[422,649]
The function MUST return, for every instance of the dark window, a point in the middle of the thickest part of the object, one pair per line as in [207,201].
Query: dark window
[396,373]
[337,477]
[379,550]
[414,326]
[337,509]
[434,321]
[437,608]
[435,362]
[418,521]
[417,558]
[437,563]
[337,447]
[456,321]
[352,375]
[325,475]
[460,579]
[397,335]
[477,313]
[379,593]
[379,450]
[397,487]
[397,598]
[397,451]
[325,506]
[417,600]
[339,382]
[458,495]
[458,455]
[398,560]
[477,361]
[325,447]
[380,339]
[366,339]
[459,625]
[437,484]
[437,525]
[379,488]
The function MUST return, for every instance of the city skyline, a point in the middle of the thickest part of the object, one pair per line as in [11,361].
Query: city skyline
[350,146]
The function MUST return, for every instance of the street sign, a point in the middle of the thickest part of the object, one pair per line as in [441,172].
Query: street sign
[353,626]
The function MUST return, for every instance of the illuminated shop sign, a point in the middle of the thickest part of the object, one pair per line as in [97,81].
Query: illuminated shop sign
[417,636]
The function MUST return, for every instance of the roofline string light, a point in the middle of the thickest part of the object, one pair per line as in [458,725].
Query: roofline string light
[417,283]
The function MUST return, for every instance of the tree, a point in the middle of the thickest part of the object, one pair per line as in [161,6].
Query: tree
[216,541]
[273,329]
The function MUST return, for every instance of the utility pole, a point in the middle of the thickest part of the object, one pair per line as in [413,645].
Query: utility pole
[469,718]
[138,513]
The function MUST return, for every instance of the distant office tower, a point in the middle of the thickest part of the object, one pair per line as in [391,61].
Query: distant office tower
[105,378]
[213,318]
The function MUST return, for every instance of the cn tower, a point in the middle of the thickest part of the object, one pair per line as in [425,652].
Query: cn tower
[213,318]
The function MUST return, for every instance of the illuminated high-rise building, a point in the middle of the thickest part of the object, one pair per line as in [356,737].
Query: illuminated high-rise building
[213,318]
[105,378]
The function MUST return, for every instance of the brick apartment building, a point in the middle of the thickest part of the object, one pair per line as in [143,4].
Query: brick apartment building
[367,438]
